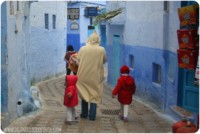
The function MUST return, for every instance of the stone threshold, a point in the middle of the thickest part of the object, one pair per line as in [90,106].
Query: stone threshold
[180,113]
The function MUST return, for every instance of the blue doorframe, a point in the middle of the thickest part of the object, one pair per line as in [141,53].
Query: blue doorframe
[115,63]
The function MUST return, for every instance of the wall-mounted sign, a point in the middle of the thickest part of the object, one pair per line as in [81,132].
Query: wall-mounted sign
[90,11]
[73,13]
[74,26]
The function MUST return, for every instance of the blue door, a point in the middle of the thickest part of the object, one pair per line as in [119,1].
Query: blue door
[189,91]
[103,36]
[74,40]
[115,71]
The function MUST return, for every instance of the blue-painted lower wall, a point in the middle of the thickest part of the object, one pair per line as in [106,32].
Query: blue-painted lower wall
[163,93]
[74,40]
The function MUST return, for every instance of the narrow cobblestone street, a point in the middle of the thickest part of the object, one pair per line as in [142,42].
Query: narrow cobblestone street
[51,116]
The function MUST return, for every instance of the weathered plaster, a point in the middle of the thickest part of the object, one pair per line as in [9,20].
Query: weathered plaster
[18,75]
[47,46]
[148,34]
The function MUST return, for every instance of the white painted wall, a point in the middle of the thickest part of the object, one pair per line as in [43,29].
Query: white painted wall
[32,51]
[149,25]
[174,25]
[47,46]
[84,23]
[120,18]
[17,60]
[144,20]
[114,30]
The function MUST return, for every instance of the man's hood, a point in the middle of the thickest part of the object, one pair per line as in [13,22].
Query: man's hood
[94,39]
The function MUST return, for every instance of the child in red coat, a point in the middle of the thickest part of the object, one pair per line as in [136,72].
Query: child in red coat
[125,89]
[71,98]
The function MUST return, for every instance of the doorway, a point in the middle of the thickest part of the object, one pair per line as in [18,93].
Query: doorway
[116,59]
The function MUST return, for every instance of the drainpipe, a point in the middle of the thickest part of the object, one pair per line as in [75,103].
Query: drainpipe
[165,47]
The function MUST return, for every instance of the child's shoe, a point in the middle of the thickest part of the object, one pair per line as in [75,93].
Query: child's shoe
[125,119]
[76,119]
[83,116]
[68,122]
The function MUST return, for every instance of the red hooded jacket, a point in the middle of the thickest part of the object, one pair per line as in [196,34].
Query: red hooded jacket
[71,88]
[125,88]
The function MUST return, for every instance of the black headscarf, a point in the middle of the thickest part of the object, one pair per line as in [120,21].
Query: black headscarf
[70,48]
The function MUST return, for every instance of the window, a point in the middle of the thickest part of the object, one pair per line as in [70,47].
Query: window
[17,5]
[46,21]
[131,61]
[156,76]
[54,21]
[11,7]
[73,13]
[166,6]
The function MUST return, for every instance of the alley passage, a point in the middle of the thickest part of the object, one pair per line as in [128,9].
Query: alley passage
[51,117]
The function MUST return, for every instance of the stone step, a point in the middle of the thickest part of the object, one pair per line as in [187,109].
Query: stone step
[179,113]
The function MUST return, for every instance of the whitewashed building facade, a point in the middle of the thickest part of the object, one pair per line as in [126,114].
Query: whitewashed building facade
[33,44]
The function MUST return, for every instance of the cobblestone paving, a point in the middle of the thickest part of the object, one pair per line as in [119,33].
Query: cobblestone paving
[52,114]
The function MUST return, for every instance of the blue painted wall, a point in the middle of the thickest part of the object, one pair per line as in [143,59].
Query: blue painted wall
[74,40]
[79,37]
[163,94]
[4,81]
[73,36]
[152,51]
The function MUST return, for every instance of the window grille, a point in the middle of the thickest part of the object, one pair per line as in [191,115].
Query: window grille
[17,5]
[46,21]
[54,21]
[166,6]
[73,13]
[11,7]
